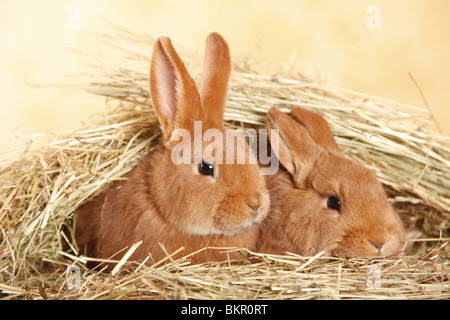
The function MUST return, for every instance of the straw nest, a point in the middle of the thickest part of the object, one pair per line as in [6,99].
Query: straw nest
[40,193]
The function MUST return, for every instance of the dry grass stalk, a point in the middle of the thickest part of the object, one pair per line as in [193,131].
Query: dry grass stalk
[40,193]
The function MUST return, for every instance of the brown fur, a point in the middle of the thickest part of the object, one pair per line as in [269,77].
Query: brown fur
[299,220]
[173,205]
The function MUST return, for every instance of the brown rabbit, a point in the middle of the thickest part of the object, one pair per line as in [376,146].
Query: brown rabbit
[321,200]
[191,205]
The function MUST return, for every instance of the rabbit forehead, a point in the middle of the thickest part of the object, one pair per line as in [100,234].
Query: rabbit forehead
[343,176]
[220,146]
[230,153]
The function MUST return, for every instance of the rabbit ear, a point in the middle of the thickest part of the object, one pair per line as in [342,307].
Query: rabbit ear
[317,127]
[296,148]
[174,93]
[213,85]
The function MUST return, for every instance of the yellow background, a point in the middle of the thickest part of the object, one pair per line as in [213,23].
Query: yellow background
[321,38]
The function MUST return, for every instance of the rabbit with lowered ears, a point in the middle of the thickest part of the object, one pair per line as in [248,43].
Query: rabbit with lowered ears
[321,200]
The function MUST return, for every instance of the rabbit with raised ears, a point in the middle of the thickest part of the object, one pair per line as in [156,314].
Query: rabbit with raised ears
[190,204]
[321,200]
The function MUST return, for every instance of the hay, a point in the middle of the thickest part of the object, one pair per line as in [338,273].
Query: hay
[40,193]
[260,277]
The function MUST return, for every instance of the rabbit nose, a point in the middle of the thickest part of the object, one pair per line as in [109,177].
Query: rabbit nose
[377,245]
[253,209]
[255,203]
[378,237]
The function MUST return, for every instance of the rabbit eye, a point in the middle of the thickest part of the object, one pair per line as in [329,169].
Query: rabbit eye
[334,203]
[206,169]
